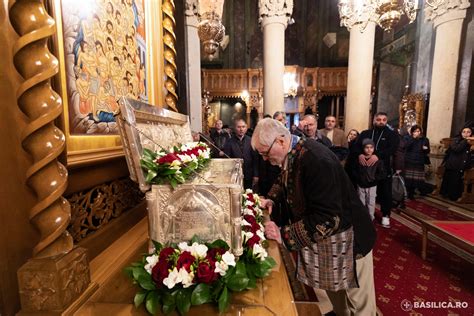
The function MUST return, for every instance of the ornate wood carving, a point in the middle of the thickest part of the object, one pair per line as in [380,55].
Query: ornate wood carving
[95,208]
[47,284]
[169,42]
[411,108]
[41,139]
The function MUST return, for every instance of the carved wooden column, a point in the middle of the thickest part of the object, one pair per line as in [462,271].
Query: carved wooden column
[169,42]
[274,17]
[448,22]
[57,273]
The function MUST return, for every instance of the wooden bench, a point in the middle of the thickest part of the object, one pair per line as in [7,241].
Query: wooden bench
[447,231]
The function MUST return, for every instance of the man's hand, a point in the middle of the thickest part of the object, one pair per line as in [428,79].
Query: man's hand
[266,203]
[272,231]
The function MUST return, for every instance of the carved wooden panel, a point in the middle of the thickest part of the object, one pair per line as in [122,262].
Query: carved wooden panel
[96,207]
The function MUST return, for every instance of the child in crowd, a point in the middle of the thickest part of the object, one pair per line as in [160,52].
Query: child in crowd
[369,170]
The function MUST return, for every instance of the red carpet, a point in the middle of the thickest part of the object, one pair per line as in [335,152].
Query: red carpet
[400,274]
[462,230]
[433,210]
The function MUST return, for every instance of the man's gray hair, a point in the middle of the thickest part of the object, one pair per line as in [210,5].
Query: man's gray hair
[309,116]
[275,115]
[267,130]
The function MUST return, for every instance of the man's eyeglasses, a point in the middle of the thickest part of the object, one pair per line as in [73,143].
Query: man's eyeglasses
[265,154]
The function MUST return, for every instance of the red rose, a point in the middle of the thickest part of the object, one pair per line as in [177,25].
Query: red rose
[185,260]
[212,254]
[168,158]
[250,219]
[165,253]
[205,273]
[250,197]
[160,272]
[255,227]
[252,241]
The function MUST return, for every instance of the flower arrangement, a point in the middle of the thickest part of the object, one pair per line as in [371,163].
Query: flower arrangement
[193,273]
[176,165]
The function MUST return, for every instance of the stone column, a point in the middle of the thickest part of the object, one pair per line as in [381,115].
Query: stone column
[274,17]
[447,20]
[193,65]
[359,77]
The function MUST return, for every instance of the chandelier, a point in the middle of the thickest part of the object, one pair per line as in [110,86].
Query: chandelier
[210,29]
[386,13]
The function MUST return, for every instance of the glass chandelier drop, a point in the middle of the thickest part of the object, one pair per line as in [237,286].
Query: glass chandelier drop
[210,29]
[386,13]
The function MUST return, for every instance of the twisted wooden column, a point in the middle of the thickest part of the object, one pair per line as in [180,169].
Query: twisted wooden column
[41,138]
[169,42]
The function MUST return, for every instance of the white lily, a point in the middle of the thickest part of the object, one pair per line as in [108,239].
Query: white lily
[221,268]
[186,278]
[172,279]
[259,252]
[245,223]
[198,250]
[228,258]
[151,262]
[183,246]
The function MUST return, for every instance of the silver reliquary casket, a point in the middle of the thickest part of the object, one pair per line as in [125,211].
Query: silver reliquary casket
[208,205]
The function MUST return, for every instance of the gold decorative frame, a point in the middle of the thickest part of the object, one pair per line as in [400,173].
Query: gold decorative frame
[85,149]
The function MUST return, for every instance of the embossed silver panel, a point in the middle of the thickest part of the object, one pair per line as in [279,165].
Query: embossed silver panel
[208,205]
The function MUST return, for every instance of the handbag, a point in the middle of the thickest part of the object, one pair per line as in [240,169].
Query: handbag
[398,188]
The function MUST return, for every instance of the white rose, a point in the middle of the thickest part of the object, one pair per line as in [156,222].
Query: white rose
[151,262]
[248,191]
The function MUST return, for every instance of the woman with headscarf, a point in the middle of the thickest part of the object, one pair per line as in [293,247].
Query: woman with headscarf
[457,160]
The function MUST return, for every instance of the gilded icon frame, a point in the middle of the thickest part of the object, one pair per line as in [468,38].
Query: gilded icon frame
[90,149]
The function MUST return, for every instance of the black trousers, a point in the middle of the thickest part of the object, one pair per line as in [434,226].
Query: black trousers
[384,195]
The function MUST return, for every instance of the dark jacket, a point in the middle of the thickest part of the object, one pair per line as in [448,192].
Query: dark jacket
[386,143]
[319,137]
[219,140]
[458,155]
[367,176]
[414,152]
[236,148]
[322,196]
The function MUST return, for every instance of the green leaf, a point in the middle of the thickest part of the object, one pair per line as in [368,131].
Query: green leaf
[201,294]
[238,282]
[148,153]
[169,303]
[173,183]
[219,243]
[139,298]
[224,300]
[137,272]
[196,239]
[146,282]
[168,172]
[183,300]
[129,272]
[150,175]
[148,165]
[152,302]
[240,269]
[158,246]
[252,283]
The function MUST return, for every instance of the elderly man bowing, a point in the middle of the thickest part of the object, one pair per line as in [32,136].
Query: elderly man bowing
[329,226]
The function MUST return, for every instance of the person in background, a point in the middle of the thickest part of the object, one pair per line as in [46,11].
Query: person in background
[308,127]
[457,159]
[417,148]
[335,135]
[219,137]
[280,117]
[238,146]
[351,161]
[386,143]
[369,170]
[329,226]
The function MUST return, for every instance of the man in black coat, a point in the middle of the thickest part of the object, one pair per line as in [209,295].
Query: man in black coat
[386,143]
[238,146]
[329,227]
